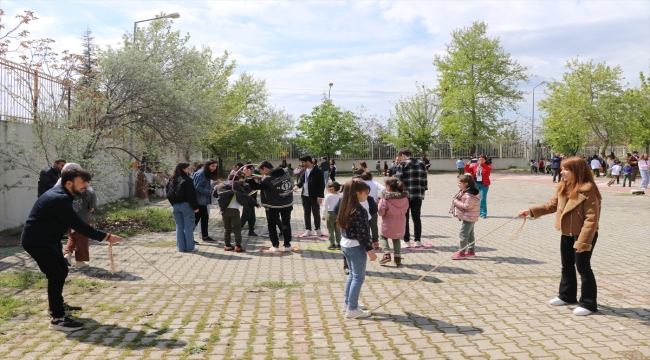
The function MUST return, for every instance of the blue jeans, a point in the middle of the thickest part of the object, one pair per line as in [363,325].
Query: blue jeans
[184,217]
[483,203]
[644,178]
[326,174]
[357,260]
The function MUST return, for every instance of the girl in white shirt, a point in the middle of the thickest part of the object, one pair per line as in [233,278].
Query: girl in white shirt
[329,216]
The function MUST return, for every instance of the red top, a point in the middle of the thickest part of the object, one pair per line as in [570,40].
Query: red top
[485,172]
[541,163]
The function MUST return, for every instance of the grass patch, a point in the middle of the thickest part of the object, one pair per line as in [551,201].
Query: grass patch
[280,285]
[112,308]
[628,194]
[195,349]
[11,307]
[80,285]
[321,248]
[161,244]
[23,280]
[123,217]
[213,339]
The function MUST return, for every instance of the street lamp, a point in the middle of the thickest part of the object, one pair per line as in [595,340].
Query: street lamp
[532,125]
[329,96]
[135,29]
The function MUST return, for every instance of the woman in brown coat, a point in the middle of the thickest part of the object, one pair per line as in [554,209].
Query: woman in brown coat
[576,205]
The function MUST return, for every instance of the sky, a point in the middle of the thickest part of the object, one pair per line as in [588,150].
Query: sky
[373,52]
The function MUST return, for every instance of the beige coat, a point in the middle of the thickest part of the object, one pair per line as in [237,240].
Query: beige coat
[573,217]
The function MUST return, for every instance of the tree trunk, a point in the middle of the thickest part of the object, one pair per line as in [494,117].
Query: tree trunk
[604,149]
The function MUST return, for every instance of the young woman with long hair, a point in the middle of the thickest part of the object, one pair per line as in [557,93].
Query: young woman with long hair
[202,184]
[576,205]
[356,242]
[182,195]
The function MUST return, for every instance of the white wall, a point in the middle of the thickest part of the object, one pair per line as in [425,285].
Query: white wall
[16,203]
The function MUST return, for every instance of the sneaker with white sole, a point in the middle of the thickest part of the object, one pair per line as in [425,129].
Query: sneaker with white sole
[288,248]
[406,244]
[68,309]
[274,249]
[68,258]
[66,324]
[319,233]
[357,314]
[360,306]
[304,234]
[580,311]
[313,233]
[418,244]
[557,302]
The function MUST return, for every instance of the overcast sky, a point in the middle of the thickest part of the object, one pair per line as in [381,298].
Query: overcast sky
[373,52]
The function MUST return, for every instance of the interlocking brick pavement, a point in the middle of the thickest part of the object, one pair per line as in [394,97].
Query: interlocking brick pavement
[491,307]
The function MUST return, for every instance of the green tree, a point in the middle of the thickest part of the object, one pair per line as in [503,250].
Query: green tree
[415,121]
[248,124]
[478,81]
[637,101]
[586,103]
[330,130]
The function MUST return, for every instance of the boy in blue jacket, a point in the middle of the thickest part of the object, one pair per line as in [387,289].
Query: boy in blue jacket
[627,173]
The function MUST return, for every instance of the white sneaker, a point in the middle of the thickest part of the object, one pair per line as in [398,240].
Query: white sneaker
[580,311]
[305,233]
[406,244]
[557,302]
[274,249]
[418,244]
[360,306]
[357,314]
[81,264]
[319,233]
[289,248]
[68,258]
[313,233]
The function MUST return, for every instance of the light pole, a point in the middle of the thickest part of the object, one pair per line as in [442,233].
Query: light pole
[329,95]
[135,28]
[532,125]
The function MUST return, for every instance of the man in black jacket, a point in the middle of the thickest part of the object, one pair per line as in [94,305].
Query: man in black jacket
[312,183]
[50,217]
[48,177]
[276,198]
[325,168]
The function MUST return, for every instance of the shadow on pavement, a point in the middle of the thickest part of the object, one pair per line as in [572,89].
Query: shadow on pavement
[507,260]
[641,314]
[427,324]
[479,249]
[103,274]
[403,276]
[442,269]
[138,339]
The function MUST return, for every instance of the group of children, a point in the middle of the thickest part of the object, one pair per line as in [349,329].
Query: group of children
[538,166]
[616,173]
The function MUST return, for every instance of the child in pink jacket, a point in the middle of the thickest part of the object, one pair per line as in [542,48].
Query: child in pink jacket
[466,209]
[392,208]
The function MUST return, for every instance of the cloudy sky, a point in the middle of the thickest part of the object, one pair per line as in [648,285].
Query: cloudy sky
[373,51]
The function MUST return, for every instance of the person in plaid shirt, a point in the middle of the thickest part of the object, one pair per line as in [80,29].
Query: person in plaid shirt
[413,173]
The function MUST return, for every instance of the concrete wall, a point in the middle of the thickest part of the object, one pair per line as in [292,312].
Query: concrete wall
[15,204]
[436,164]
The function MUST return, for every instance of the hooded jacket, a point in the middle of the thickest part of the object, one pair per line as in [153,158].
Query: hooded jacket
[180,190]
[224,193]
[277,191]
[466,205]
[574,217]
[392,208]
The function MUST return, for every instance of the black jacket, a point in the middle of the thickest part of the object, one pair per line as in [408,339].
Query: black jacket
[325,165]
[47,179]
[51,216]
[315,183]
[276,188]
[224,193]
[181,189]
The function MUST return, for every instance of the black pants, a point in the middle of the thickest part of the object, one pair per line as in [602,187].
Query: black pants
[53,265]
[273,219]
[310,206]
[556,173]
[415,207]
[374,229]
[202,216]
[248,216]
[332,175]
[596,172]
[572,260]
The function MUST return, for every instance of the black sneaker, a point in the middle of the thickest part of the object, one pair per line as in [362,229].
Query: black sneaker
[66,324]
[208,238]
[331,247]
[68,309]
[338,246]
[252,233]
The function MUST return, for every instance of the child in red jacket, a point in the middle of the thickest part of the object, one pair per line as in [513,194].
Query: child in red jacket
[392,208]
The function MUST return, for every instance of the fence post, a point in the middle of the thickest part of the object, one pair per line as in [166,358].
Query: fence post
[500,150]
[35,97]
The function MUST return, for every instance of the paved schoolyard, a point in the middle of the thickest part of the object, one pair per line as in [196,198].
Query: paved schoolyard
[490,307]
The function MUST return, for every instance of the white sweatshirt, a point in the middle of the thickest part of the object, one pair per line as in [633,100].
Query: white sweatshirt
[329,202]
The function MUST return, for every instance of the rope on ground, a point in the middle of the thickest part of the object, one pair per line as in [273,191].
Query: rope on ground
[110,254]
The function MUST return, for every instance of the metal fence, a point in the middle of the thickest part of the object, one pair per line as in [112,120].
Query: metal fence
[25,93]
